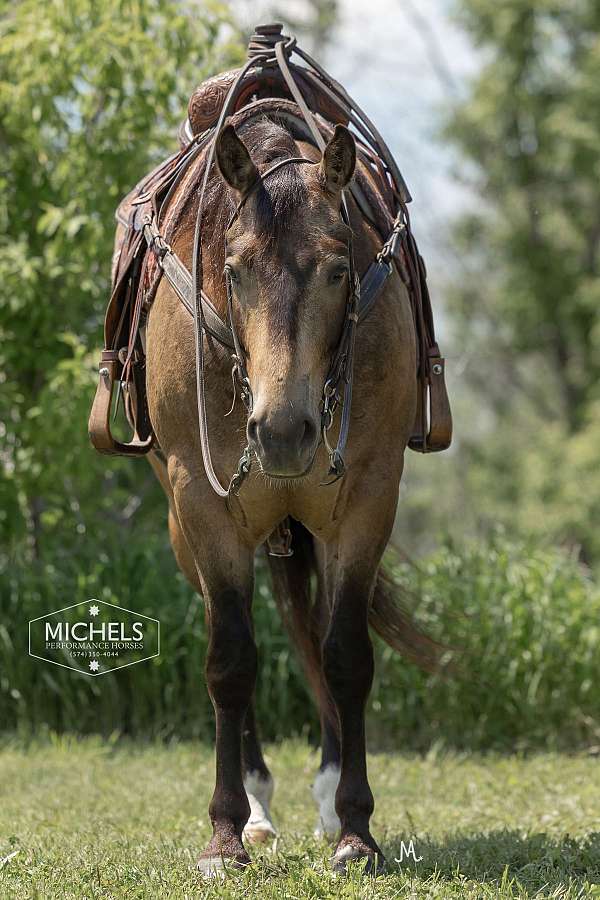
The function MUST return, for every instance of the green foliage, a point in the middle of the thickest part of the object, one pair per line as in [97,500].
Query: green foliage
[531,127]
[89,97]
[525,621]
[523,299]
[522,624]
[163,697]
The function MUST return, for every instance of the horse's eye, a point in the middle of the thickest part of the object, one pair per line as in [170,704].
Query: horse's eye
[338,274]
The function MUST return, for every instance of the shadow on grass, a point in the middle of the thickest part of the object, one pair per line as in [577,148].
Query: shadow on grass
[534,861]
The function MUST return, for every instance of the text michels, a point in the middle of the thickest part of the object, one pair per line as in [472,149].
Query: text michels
[91,632]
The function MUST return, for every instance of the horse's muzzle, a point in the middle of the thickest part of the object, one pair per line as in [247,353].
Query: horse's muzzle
[284,443]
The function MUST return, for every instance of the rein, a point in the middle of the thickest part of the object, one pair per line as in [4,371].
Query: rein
[341,369]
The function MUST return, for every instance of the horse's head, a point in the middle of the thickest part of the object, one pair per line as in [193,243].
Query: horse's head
[288,261]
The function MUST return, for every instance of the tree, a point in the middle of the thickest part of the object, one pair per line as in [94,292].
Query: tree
[523,300]
[89,97]
[526,300]
[530,130]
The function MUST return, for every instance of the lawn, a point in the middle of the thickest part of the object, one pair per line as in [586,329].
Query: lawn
[90,819]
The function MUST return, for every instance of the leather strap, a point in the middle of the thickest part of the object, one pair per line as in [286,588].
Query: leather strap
[198,307]
[99,421]
[297,95]
[371,286]
[180,279]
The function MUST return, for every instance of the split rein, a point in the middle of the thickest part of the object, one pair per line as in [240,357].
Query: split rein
[337,386]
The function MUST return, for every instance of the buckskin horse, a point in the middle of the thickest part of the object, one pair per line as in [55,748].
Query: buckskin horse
[277,228]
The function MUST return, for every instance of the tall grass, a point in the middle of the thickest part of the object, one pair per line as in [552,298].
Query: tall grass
[161,697]
[526,621]
[525,624]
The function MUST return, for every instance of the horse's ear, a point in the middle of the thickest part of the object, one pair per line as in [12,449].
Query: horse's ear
[339,159]
[234,162]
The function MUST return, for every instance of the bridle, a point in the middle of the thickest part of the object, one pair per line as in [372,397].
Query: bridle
[338,383]
[342,363]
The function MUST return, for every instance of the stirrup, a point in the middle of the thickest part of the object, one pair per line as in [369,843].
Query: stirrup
[432,431]
[99,422]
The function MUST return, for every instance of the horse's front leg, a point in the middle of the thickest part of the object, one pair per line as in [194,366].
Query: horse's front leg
[230,676]
[348,671]
[225,570]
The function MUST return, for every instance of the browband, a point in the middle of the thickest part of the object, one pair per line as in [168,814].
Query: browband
[261,177]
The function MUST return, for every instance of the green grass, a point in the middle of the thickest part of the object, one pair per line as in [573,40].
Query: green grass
[93,819]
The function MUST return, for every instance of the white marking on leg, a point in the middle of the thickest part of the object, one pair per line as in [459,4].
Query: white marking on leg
[324,789]
[259,826]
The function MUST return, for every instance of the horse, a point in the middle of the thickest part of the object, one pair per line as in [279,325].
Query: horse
[278,255]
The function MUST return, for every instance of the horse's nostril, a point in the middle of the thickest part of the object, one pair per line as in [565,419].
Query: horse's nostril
[282,443]
[308,434]
[252,429]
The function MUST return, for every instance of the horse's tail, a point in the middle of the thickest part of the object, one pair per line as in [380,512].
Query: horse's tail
[299,602]
[390,619]
[297,597]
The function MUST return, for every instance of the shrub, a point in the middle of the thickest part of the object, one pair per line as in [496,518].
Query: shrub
[524,622]
[524,618]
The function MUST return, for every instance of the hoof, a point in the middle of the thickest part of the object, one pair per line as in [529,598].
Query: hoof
[374,861]
[221,866]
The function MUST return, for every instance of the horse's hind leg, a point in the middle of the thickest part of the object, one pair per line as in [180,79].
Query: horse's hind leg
[327,779]
[306,618]
[258,783]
